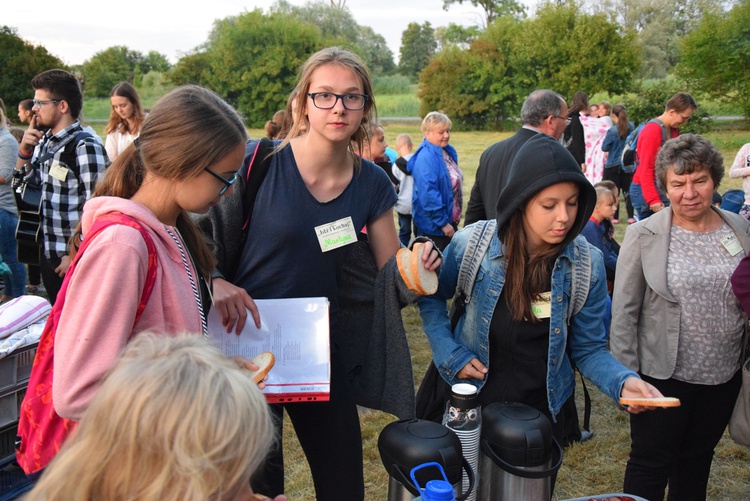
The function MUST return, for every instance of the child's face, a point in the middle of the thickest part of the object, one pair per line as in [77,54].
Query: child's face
[607,207]
[378,144]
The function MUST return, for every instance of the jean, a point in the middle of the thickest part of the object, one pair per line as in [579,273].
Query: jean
[639,203]
[404,228]
[15,283]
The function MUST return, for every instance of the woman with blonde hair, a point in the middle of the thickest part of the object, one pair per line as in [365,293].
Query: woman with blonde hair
[125,119]
[174,420]
[437,200]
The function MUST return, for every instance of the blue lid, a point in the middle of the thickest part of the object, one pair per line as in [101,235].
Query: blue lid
[438,490]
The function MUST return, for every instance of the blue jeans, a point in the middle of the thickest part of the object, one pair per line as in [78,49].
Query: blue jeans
[404,228]
[642,208]
[15,283]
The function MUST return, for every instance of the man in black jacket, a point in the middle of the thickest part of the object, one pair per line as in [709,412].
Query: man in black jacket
[543,112]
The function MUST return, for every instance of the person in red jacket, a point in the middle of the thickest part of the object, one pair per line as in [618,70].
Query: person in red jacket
[646,196]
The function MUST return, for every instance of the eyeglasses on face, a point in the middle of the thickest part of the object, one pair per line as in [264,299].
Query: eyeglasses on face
[564,119]
[327,100]
[227,184]
[39,104]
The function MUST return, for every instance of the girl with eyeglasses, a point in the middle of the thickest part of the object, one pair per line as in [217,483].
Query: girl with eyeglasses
[317,182]
[190,136]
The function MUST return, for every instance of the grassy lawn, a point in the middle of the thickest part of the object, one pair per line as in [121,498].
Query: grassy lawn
[595,467]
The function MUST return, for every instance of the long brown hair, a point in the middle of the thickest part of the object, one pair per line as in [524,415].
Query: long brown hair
[127,91]
[189,128]
[526,277]
[346,59]
[623,127]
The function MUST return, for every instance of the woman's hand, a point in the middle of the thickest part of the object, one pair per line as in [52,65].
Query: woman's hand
[448,230]
[635,387]
[430,256]
[233,302]
[473,370]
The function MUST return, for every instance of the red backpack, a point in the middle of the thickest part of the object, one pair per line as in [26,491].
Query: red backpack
[41,431]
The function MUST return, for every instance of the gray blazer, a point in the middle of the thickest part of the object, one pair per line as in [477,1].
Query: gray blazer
[645,317]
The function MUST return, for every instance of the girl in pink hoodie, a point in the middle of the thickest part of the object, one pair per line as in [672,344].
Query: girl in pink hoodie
[189,150]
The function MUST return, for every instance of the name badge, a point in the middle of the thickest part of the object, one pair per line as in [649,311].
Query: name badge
[58,171]
[731,244]
[336,234]
[542,308]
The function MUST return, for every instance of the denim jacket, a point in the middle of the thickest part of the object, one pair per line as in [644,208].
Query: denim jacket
[583,333]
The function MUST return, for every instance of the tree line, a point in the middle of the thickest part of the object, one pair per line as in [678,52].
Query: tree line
[479,75]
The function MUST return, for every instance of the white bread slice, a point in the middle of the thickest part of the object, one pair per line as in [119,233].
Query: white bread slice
[265,361]
[403,259]
[651,402]
[425,281]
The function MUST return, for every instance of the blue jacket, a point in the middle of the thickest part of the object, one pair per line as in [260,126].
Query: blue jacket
[584,333]
[614,144]
[598,236]
[432,197]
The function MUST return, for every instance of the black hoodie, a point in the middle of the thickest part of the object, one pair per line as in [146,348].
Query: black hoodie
[540,163]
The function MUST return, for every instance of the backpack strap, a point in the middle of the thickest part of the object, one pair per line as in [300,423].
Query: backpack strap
[663,129]
[258,158]
[106,221]
[81,136]
[479,242]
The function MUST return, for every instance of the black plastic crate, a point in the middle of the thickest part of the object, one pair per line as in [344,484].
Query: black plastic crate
[16,367]
[13,482]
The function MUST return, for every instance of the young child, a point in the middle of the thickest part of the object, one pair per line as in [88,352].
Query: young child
[404,147]
[598,231]
[175,420]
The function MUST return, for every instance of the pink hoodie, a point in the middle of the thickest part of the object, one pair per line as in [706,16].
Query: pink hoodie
[97,320]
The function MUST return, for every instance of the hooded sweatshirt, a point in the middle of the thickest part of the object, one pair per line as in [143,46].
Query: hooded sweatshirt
[102,296]
[540,163]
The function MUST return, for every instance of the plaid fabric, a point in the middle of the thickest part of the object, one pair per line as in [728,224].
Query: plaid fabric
[62,203]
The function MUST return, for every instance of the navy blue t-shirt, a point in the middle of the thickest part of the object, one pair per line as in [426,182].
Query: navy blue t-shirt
[282,257]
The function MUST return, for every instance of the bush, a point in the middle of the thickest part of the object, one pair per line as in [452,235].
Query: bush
[392,85]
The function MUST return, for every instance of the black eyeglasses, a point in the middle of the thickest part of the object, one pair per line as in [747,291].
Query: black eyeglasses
[327,100]
[39,104]
[227,184]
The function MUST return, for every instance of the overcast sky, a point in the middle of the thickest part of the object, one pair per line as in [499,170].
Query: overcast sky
[76,31]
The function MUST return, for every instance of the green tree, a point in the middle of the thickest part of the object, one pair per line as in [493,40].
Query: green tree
[716,56]
[155,61]
[191,69]
[456,35]
[418,46]
[493,9]
[109,67]
[570,51]
[338,27]
[253,60]
[20,62]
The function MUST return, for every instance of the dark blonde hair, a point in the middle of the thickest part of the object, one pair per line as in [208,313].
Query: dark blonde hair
[127,91]
[174,420]
[345,59]
[188,129]
[623,127]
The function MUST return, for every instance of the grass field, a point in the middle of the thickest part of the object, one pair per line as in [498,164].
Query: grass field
[595,467]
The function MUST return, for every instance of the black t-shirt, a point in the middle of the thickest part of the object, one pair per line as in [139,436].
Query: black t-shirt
[283,257]
[518,360]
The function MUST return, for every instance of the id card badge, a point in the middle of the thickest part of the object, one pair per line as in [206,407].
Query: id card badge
[542,307]
[731,244]
[58,171]
[336,234]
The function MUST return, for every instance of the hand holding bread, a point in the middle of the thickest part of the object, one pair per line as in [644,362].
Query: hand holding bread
[265,362]
[412,267]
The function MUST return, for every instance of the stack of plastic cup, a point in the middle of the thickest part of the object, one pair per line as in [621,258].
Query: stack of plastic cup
[463,415]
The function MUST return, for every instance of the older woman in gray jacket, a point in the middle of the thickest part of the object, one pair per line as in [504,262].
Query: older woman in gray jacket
[677,322]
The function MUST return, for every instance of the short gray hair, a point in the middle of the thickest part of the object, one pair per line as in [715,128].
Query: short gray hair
[686,154]
[434,118]
[539,105]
